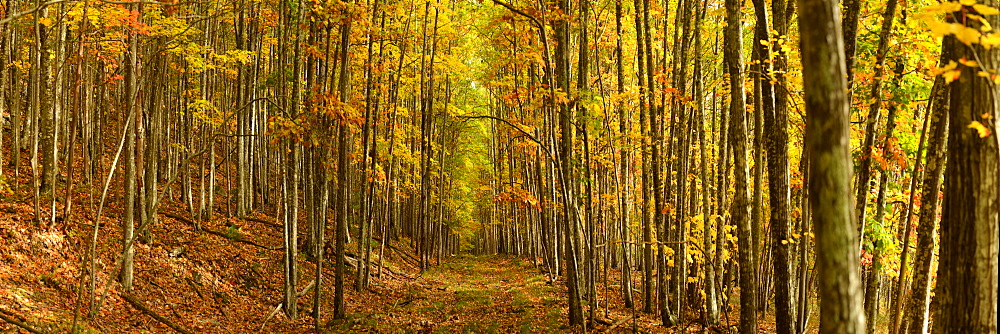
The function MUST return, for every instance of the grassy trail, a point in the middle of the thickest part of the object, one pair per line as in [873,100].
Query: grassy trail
[465,294]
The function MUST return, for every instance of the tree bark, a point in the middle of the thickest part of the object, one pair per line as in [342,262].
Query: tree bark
[827,140]
[917,303]
[967,279]
[738,137]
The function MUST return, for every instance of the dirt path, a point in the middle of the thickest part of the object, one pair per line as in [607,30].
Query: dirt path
[465,295]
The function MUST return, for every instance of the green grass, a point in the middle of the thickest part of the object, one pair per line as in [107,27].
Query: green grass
[473,298]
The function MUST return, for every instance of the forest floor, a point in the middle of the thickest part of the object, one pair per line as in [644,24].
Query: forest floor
[230,281]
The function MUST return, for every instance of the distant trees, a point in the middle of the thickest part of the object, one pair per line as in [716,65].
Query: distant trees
[591,140]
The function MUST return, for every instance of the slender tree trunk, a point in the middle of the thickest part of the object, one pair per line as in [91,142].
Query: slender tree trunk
[917,303]
[343,83]
[738,137]
[128,221]
[863,185]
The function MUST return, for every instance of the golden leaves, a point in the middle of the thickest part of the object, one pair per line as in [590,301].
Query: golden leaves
[966,35]
[943,8]
[980,128]
[949,72]
[968,63]
[971,11]
[985,10]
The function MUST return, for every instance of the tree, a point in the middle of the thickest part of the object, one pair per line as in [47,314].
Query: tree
[917,312]
[738,138]
[967,274]
[827,140]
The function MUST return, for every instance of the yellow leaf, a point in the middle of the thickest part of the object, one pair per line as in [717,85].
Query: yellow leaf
[969,63]
[951,75]
[995,78]
[943,8]
[986,115]
[966,35]
[985,10]
[967,2]
[989,40]
[950,66]
[983,131]
[939,28]
[985,24]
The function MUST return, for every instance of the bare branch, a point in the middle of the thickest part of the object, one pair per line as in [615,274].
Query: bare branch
[510,7]
[39,7]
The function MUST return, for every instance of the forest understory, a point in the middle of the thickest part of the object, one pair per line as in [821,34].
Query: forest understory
[225,281]
[499,166]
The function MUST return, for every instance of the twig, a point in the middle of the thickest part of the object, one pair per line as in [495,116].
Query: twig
[142,307]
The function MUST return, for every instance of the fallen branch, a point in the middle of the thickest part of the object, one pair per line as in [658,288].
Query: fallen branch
[619,323]
[276,309]
[142,307]
[306,289]
[18,323]
[262,221]
[406,255]
[210,231]
[393,272]
[248,242]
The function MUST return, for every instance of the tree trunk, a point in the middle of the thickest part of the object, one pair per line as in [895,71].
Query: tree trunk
[967,279]
[916,305]
[738,137]
[827,140]
[343,86]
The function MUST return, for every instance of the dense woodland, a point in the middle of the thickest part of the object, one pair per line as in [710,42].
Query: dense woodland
[721,162]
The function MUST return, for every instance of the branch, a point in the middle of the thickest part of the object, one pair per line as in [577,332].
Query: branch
[618,323]
[276,309]
[142,307]
[18,323]
[217,233]
[39,7]
[140,2]
[519,129]
[510,7]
